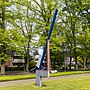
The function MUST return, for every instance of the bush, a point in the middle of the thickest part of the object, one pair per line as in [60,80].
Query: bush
[15,68]
[32,64]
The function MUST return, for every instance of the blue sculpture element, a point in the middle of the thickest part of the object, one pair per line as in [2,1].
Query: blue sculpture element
[49,34]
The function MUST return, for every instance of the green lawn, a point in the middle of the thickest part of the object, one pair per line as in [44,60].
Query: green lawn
[16,77]
[30,76]
[76,83]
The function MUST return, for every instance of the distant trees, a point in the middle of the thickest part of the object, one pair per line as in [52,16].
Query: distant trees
[75,13]
[23,21]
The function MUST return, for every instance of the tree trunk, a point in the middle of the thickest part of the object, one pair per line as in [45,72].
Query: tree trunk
[27,64]
[54,64]
[3,69]
[27,54]
[65,64]
[27,61]
[3,27]
[74,50]
[70,58]
[86,62]
[70,63]
[76,62]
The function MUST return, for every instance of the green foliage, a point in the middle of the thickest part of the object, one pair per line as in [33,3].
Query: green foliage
[75,27]
[32,64]
[4,45]
[4,57]
[22,21]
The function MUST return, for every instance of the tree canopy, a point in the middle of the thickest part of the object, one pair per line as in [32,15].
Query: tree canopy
[24,26]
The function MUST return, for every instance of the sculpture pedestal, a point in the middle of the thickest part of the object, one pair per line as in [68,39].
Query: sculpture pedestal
[39,74]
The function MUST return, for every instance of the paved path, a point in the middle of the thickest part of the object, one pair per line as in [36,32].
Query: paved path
[17,82]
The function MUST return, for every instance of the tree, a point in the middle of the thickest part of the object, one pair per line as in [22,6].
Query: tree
[73,27]
[44,13]
[7,40]
[4,35]
[22,29]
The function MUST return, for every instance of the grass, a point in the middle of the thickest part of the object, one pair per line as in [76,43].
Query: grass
[68,73]
[76,83]
[31,76]
[16,77]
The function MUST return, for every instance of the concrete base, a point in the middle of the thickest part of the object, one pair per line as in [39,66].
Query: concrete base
[39,74]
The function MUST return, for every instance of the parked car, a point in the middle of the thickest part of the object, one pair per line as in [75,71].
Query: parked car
[44,68]
[33,70]
[54,71]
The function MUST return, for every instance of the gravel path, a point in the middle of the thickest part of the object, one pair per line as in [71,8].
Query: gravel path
[17,82]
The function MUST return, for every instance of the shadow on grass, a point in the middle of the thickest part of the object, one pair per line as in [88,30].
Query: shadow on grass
[43,85]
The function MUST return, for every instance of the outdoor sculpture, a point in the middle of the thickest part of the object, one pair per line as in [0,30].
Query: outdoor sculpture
[39,72]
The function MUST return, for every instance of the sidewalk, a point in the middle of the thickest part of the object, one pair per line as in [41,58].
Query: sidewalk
[30,81]
[17,73]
